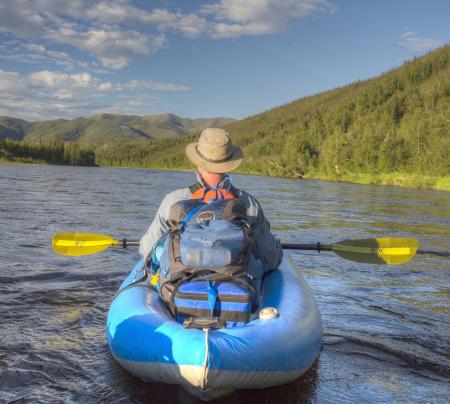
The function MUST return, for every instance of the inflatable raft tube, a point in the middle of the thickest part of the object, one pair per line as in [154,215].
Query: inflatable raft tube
[148,343]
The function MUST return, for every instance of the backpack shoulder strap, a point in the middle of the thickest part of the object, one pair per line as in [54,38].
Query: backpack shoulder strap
[195,187]
[235,191]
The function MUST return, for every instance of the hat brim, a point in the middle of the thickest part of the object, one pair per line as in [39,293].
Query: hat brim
[231,164]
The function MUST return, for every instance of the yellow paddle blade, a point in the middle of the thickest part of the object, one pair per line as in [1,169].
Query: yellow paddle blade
[377,250]
[76,244]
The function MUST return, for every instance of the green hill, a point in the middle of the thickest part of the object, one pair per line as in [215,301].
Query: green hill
[13,128]
[393,129]
[398,122]
[105,128]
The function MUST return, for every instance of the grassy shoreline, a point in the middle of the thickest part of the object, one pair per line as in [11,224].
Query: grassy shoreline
[405,180]
[22,162]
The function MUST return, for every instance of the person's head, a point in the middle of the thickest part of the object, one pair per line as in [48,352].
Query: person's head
[214,154]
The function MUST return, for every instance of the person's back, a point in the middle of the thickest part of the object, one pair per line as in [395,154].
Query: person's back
[215,155]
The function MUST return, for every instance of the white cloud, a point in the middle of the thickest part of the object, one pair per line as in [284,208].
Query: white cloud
[48,94]
[36,53]
[113,12]
[269,11]
[257,17]
[113,47]
[409,40]
[116,31]
[59,80]
[192,26]
[35,48]
[19,18]
[151,85]
[51,21]
[110,87]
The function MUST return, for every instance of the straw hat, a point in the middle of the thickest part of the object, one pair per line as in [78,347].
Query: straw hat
[214,152]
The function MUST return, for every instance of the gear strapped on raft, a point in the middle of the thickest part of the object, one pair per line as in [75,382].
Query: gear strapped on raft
[205,265]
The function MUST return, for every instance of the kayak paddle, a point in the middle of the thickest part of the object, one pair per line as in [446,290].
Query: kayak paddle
[372,251]
[77,244]
[368,250]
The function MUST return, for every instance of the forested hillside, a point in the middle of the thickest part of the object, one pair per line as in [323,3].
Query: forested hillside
[54,151]
[105,128]
[391,129]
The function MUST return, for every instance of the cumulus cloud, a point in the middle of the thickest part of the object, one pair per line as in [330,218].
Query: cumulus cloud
[113,12]
[38,54]
[18,18]
[35,48]
[64,23]
[409,40]
[49,94]
[116,31]
[113,47]
[234,18]
[256,17]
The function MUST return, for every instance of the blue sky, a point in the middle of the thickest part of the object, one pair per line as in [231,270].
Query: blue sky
[64,59]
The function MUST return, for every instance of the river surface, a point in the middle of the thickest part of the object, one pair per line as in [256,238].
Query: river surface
[386,328]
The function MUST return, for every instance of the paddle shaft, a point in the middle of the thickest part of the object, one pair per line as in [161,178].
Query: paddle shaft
[126,243]
[311,247]
[304,247]
[328,247]
[439,253]
[307,247]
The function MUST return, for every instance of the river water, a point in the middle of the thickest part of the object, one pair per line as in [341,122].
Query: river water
[387,328]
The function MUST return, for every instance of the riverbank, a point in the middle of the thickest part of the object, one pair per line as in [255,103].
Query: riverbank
[406,180]
[22,162]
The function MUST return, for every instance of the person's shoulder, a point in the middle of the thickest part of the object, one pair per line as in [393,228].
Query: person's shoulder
[172,198]
[246,195]
[177,194]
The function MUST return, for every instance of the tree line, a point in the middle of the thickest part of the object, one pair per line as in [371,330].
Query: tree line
[53,151]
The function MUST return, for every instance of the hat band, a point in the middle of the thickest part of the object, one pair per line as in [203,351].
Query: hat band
[212,160]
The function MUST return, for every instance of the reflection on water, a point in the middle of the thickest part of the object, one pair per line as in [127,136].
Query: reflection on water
[387,329]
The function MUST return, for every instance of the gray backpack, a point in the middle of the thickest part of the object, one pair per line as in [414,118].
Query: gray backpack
[206,262]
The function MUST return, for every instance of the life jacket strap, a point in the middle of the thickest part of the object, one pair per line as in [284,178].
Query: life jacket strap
[224,183]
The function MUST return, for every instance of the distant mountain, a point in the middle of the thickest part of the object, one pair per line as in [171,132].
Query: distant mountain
[13,128]
[107,128]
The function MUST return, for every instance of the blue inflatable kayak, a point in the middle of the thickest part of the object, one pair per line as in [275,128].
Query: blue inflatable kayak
[274,348]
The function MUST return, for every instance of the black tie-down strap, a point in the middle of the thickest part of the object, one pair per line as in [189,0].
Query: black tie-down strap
[132,284]
[204,323]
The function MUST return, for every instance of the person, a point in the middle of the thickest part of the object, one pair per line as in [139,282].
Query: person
[214,155]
